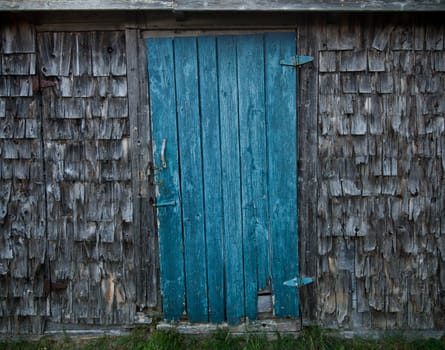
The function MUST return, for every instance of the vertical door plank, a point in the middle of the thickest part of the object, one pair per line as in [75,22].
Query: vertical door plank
[230,164]
[253,167]
[163,111]
[208,87]
[190,156]
[282,158]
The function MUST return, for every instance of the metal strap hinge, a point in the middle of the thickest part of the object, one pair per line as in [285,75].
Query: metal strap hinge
[41,83]
[298,282]
[296,61]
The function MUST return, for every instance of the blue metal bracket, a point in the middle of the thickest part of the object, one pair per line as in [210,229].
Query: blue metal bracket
[296,61]
[165,204]
[298,282]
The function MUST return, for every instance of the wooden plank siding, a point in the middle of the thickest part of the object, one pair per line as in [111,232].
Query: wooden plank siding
[380,138]
[76,182]
[23,266]
[145,235]
[78,240]
[88,164]
[308,167]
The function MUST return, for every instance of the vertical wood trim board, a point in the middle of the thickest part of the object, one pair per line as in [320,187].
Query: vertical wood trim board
[149,261]
[133,103]
[308,164]
[146,246]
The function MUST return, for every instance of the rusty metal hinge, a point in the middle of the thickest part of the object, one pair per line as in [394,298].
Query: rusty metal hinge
[296,61]
[39,83]
[54,286]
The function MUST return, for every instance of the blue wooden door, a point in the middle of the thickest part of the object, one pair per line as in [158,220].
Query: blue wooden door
[225,152]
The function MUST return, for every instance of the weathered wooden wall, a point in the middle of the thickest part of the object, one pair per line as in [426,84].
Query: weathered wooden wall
[77,239]
[73,249]
[380,97]
[23,301]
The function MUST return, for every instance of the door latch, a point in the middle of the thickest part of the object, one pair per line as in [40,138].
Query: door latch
[162,156]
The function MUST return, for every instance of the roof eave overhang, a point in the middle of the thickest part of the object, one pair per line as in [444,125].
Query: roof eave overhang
[224,5]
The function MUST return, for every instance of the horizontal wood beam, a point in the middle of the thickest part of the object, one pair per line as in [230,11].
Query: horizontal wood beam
[226,5]
[80,5]
[309,5]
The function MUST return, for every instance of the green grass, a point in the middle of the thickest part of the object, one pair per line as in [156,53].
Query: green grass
[143,339]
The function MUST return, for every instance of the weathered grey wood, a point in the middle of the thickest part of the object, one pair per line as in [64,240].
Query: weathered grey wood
[353,61]
[266,327]
[90,197]
[17,5]
[439,58]
[198,5]
[144,229]
[15,86]
[382,36]
[18,38]
[376,61]
[307,94]
[18,64]
[328,61]
[329,5]
[5,195]
[118,87]
[109,53]
[433,38]
[81,61]
[133,72]
[341,35]
[22,214]
[147,188]
[82,23]
[2,108]
[382,106]
[118,108]
[73,21]
[83,86]
[55,53]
